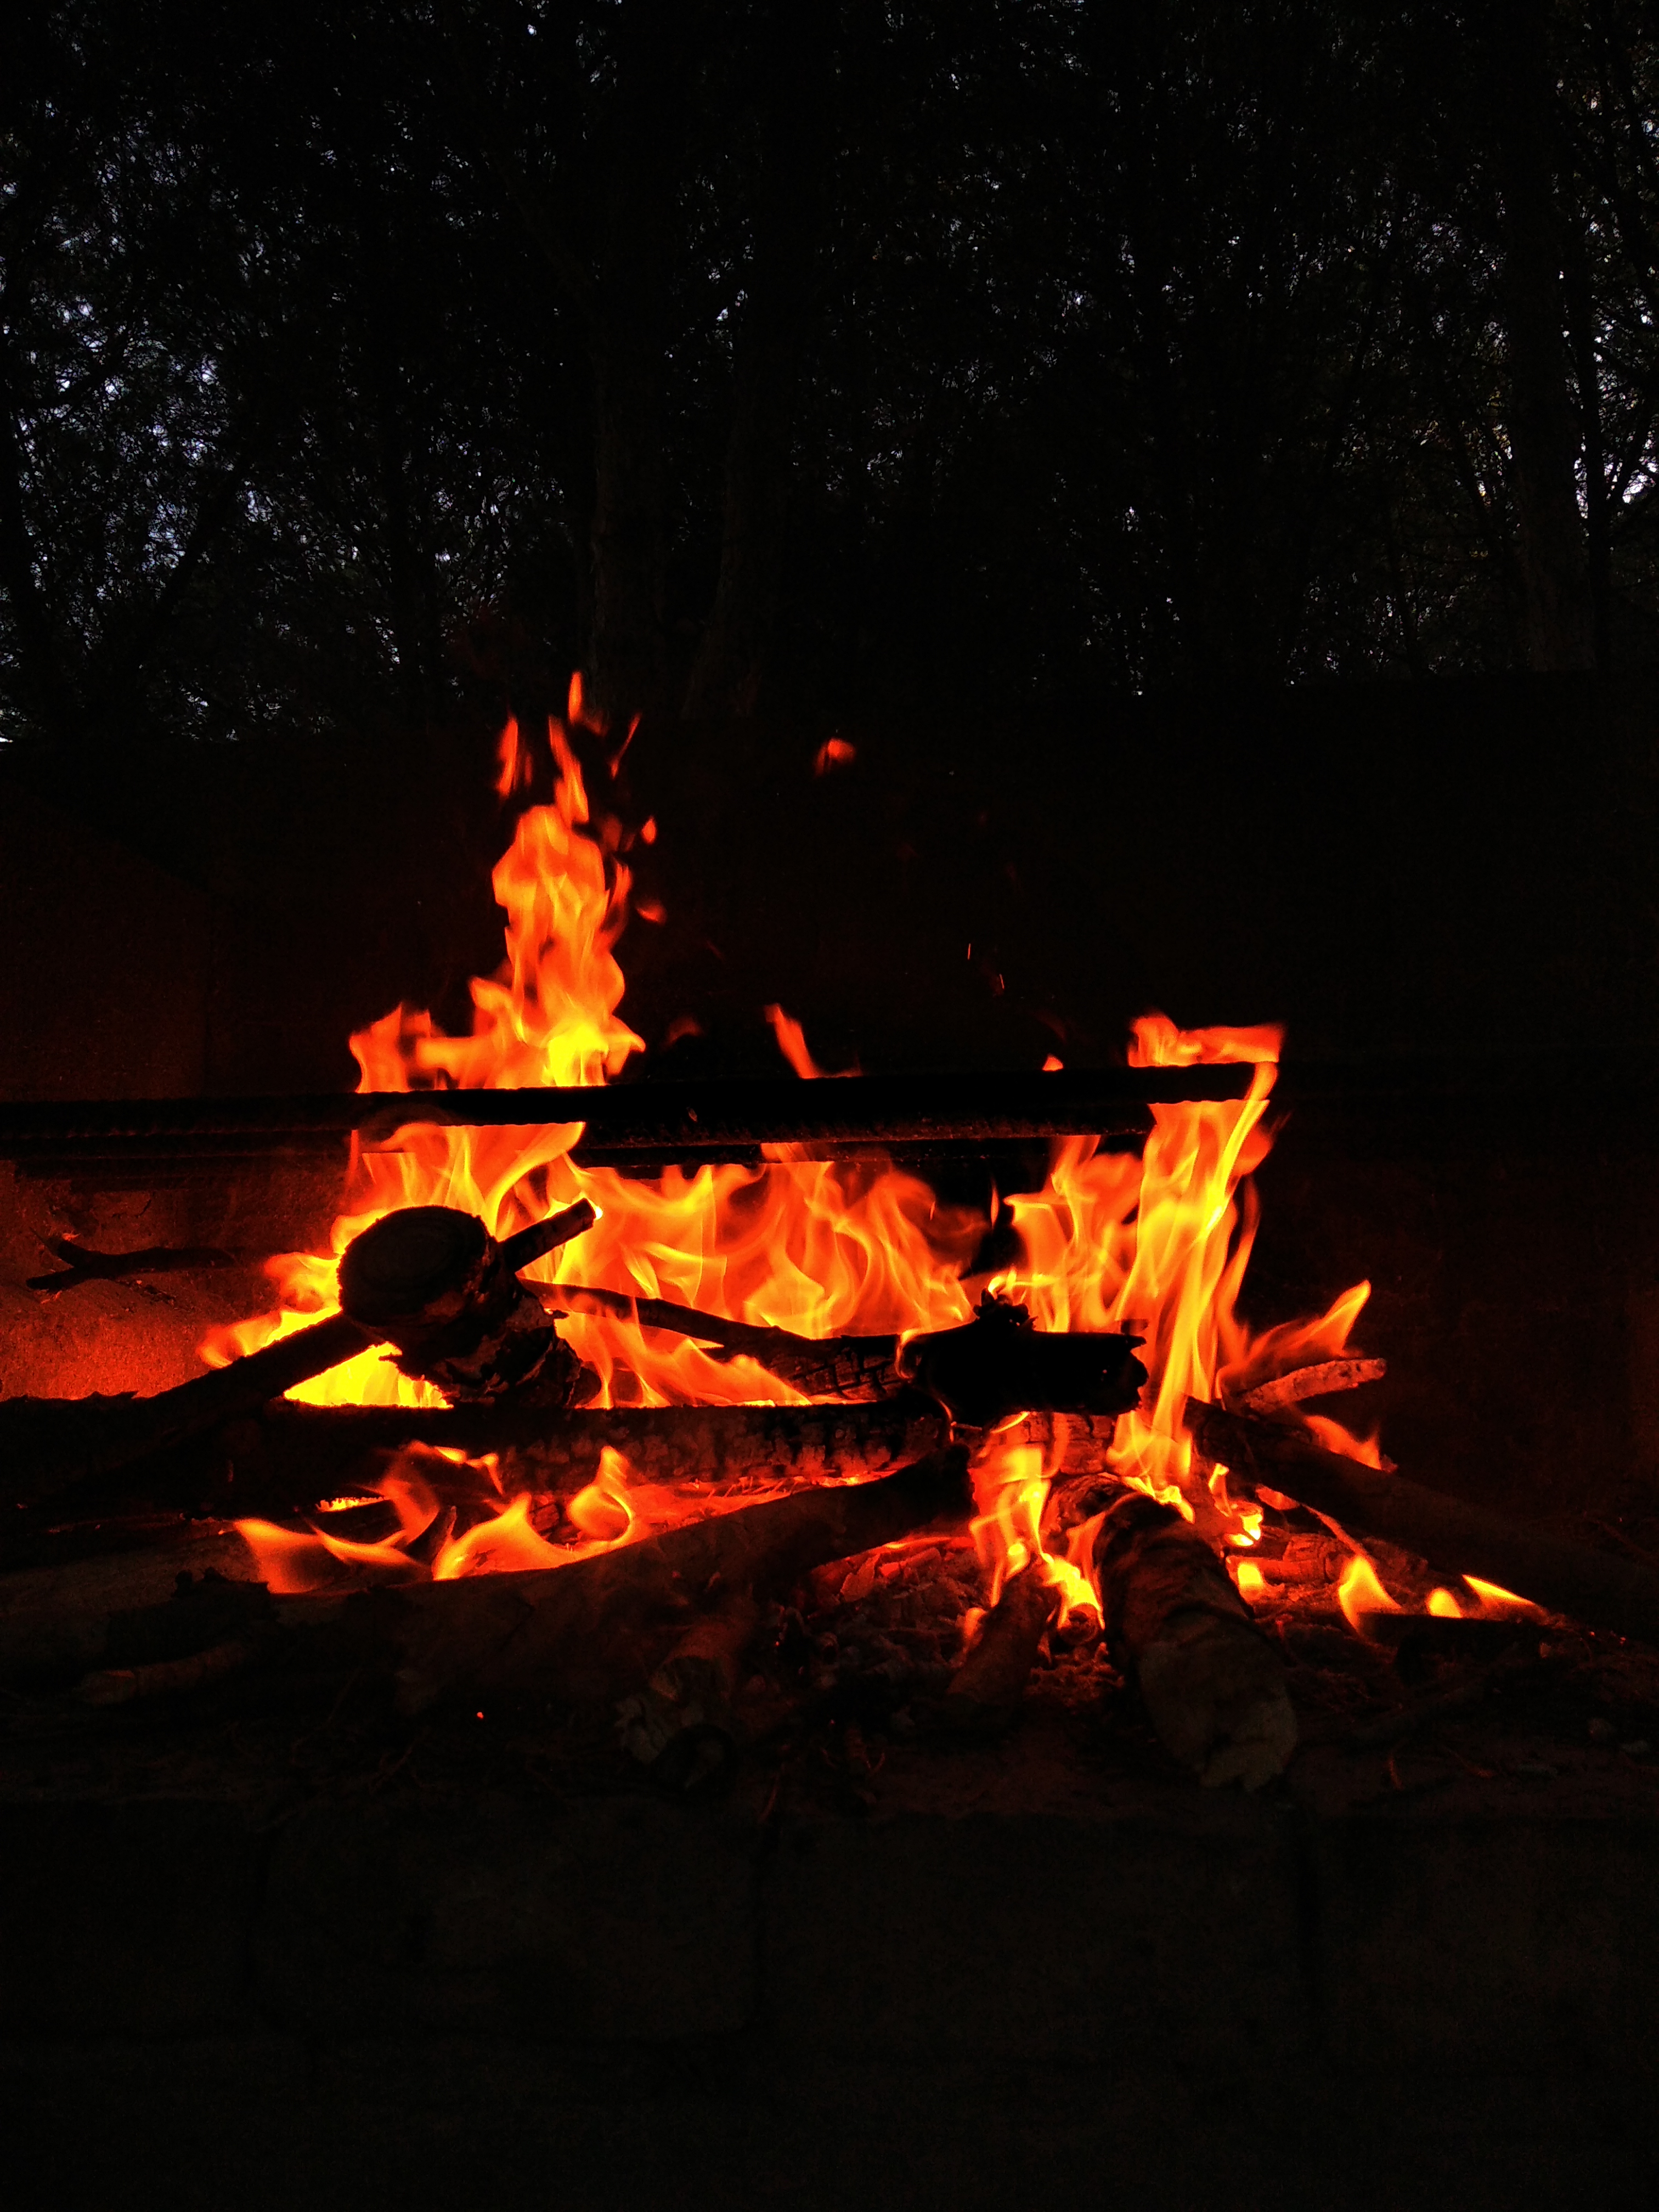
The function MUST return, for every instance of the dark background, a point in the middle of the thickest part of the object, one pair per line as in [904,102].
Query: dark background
[366,371]
[1201,456]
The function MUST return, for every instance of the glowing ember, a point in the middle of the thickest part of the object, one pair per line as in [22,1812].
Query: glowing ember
[1158,1246]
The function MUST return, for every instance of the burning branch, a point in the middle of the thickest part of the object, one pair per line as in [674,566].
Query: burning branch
[427,1280]
[998,1365]
[1593,1586]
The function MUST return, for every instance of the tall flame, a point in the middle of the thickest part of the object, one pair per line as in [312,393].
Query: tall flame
[1158,1244]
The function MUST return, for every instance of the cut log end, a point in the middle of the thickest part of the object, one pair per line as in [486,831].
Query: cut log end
[1213,1685]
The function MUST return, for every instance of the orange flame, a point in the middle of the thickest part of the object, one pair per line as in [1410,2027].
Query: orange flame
[1359,1592]
[1495,1599]
[1158,1245]
[1010,1489]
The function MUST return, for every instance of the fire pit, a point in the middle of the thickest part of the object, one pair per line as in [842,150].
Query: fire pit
[677,1590]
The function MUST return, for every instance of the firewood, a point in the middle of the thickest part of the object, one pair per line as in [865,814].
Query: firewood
[995,1366]
[291,1455]
[427,1279]
[714,1119]
[579,1631]
[55,1622]
[589,1631]
[82,1264]
[1213,1685]
[166,1678]
[1593,1586]
[1321,1381]
[987,1687]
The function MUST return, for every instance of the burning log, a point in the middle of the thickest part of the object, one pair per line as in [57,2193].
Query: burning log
[428,1279]
[997,1365]
[1320,1381]
[1213,1685]
[587,1631]
[292,1455]
[583,1629]
[1601,1591]
[987,1687]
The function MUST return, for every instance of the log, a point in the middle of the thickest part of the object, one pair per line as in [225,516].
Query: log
[82,1264]
[292,1455]
[55,1622]
[986,1690]
[681,1119]
[426,1278]
[995,1366]
[1592,1586]
[1213,1684]
[573,1630]
[585,1632]
[1316,1382]
[168,1678]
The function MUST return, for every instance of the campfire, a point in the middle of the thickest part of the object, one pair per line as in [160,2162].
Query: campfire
[703,1407]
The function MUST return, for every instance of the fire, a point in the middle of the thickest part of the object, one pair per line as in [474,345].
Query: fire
[1360,1592]
[1010,1489]
[1157,1245]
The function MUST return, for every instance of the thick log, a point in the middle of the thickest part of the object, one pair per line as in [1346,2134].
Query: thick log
[987,1687]
[55,1622]
[575,1631]
[1213,1685]
[710,1120]
[293,1456]
[1601,1591]
[588,1630]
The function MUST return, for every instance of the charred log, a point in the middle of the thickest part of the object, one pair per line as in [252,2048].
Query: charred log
[283,1459]
[995,1366]
[581,1630]
[673,1118]
[82,1264]
[57,1624]
[427,1279]
[588,1630]
[1212,1684]
[1601,1591]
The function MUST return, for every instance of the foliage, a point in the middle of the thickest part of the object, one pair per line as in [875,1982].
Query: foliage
[362,369]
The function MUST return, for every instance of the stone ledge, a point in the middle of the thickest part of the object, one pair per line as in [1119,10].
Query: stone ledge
[1168,1920]
[269,2123]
